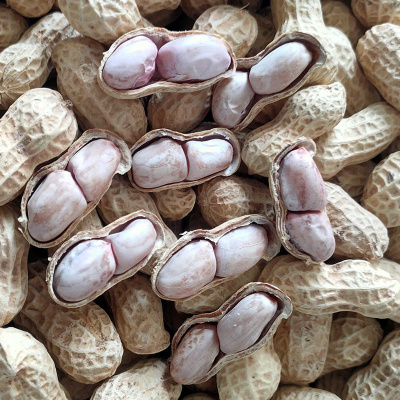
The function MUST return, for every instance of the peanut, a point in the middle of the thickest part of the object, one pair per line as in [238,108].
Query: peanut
[12,26]
[31,9]
[335,381]
[192,58]
[147,7]
[393,251]
[376,12]
[175,204]
[291,392]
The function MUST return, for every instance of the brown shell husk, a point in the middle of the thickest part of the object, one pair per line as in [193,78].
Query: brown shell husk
[244,64]
[161,36]
[280,208]
[98,234]
[284,310]
[213,235]
[61,164]
[216,133]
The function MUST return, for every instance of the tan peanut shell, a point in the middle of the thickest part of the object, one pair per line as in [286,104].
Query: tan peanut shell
[266,31]
[391,267]
[292,392]
[236,25]
[215,133]
[350,285]
[380,379]
[340,16]
[147,379]
[26,368]
[279,205]
[76,61]
[283,311]
[96,234]
[352,178]
[223,198]
[306,16]
[301,343]
[353,341]
[83,342]
[14,268]
[46,127]
[383,70]
[393,251]
[147,7]
[360,93]
[12,26]
[245,64]
[214,297]
[357,139]
[255,376]
[160,36]
[102,20]
[194,8]
[61,164]
[335,381]
[310,112]
[179,112]
[138,315]
[175,204]
[376,12]
[31,9]
[121,199]
[358,232]
[213,236]
[382,191]
[25,64]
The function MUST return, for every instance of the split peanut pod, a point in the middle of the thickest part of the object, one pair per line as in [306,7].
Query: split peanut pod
[150,60]
[91,262]
[61,194]
[164,159]
[205,258]
[242,325]
[278,71]
[300,200]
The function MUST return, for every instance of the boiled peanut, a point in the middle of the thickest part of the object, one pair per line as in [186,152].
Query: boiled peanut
[302,187]
[241,327]
[84,269]
[132,65]
[132,244]
[93,167]
[279,68]
[54,205]
[189,269]
[240,249]
[193,58]
[195,354]
[232,99]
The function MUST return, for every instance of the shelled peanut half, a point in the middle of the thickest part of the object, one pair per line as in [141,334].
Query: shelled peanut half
[153,215]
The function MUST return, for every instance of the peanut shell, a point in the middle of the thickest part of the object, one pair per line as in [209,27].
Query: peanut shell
[46,127]
[175,204]
[12,25]
[213,236]
[216,133]
[61,164]
[160,36]
[147,7]
[96,234]
[266,31]
[393,251]
[31,9]
[289,392]
[284,310]
[376,12]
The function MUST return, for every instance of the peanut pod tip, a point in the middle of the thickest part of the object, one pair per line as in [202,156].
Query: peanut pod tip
[59,195]
[92,261]
[197,157]
[164,61]
[205,258]
[243,324]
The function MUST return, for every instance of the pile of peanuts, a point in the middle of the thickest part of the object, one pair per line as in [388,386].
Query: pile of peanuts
[200,200]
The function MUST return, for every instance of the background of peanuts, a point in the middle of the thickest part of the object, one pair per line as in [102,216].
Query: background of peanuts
[343,338]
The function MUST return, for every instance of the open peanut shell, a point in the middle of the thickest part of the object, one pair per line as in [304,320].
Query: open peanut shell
[114,227]
[157,84]
[284,310]
[213,235]
[280,208]
[60,164]
[245,64]
[215,133]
